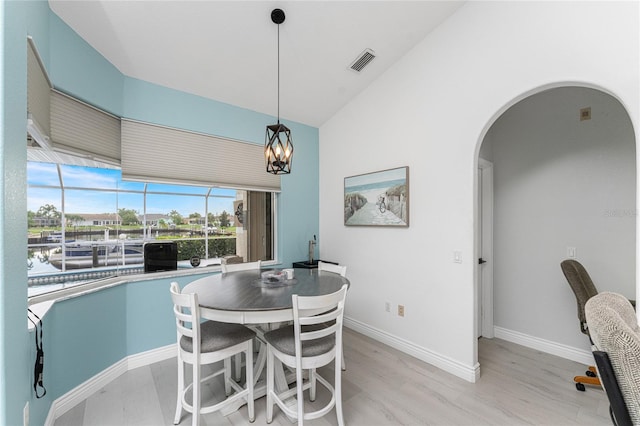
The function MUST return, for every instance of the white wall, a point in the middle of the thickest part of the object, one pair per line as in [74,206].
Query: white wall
[561,182]
[430,112]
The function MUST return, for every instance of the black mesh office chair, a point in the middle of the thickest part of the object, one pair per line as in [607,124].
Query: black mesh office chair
[584,289]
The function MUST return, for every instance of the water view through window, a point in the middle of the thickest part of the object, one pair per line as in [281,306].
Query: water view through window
[86,223]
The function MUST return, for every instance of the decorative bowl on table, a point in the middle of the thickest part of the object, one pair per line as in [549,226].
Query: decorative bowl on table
[275,276]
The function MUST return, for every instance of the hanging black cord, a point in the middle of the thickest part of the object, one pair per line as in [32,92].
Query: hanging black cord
[38,368]
[278,73]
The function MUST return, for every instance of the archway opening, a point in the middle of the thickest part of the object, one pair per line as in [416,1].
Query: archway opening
[564,185]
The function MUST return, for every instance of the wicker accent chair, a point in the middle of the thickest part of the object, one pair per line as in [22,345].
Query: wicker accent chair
[615,334]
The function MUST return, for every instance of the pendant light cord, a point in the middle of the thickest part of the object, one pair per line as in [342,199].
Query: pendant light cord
[278,73]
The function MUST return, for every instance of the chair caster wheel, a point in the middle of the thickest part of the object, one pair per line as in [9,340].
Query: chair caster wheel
[580,387]
[590,373]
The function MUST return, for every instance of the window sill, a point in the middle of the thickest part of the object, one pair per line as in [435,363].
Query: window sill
[40,304]
[40,309]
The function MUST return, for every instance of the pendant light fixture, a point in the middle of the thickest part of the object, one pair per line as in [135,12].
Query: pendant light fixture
[278,145]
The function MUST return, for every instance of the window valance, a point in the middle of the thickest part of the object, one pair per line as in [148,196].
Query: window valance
[79,128]
[153,153]
[38,92]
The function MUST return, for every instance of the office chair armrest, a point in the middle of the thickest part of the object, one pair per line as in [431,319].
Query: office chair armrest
[618,410]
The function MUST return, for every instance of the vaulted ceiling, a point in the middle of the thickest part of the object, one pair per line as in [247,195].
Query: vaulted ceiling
[227,50]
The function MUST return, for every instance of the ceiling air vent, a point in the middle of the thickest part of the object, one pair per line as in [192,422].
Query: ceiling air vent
[362,60]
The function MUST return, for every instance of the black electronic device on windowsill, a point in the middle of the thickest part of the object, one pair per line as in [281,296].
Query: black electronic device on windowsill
[160,256]
[305,264]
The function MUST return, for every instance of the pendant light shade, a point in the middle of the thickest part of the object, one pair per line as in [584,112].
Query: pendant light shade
[278,145]
[278,149]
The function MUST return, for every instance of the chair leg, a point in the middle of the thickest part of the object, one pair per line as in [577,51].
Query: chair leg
[312,382]
[227,376]
[300,401]
[178,415]
[195,420]
[249,369]
[270,386]
[580,381]
[344,365]
[238,362]
[591,378]
[338,394]
[260,362]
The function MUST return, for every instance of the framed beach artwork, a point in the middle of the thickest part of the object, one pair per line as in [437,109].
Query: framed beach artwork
[377,199]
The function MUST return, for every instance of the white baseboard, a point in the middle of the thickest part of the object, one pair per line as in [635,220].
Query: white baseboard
[149,357]
[81,392]
[568,352]
[470,373]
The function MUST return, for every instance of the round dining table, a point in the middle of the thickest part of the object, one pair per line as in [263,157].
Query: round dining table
[244,297]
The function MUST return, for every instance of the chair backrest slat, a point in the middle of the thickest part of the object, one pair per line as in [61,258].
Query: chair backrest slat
[185,309]
[318,334]
[325,311]
[320,318]
[233,267]
[330,267]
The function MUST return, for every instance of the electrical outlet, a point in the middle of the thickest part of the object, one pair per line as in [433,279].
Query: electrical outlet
[400,310]
[25,414]
[387,307]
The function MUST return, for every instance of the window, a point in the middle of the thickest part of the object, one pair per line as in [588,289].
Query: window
[86,223]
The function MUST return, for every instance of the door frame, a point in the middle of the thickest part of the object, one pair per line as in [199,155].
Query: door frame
[484,275]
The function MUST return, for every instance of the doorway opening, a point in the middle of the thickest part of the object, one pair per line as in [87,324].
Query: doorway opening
[563,185]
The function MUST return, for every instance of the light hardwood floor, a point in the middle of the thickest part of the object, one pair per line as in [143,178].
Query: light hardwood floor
[382,386]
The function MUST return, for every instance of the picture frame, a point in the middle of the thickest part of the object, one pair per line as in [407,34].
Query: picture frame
[378,198]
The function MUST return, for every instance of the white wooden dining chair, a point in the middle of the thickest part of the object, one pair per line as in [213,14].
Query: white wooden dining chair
[306,345]
[336,269]
[331,267]
[200,343]
[233,267]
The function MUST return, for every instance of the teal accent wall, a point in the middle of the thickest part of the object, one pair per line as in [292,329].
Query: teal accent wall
[299,217]
[14,349]
[38,14]
[298,201]
[85,335]
[155,316]
[149,102]
[79,70]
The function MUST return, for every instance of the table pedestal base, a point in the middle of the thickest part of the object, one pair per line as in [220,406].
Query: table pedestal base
[282,380]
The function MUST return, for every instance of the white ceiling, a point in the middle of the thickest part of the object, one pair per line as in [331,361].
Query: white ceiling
[227,50]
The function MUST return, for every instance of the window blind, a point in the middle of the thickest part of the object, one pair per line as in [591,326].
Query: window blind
[153,153]
[38,90]
[82,129]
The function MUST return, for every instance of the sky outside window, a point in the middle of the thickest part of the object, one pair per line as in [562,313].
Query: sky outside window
[94,202]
